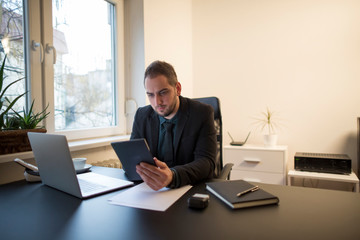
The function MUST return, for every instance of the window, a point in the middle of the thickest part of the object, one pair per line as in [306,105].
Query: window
[73,62]
[12,46]
[84,70]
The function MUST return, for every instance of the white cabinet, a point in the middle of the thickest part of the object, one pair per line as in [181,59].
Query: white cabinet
[257,164]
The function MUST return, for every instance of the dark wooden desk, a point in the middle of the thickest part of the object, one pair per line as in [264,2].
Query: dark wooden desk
[35,211]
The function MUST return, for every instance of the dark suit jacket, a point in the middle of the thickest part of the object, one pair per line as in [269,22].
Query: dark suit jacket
[194,143]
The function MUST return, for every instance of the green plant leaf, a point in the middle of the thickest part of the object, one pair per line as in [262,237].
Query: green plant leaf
[2,74]
[3,92]
[8,109]
[29,120]
[26,120]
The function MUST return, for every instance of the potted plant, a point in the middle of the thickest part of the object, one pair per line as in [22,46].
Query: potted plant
[268,122]
[15,125]
[4,101]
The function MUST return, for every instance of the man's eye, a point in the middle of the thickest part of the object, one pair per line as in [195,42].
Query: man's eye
[162,93]
[150,95]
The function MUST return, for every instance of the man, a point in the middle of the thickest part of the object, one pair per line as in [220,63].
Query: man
[191,156]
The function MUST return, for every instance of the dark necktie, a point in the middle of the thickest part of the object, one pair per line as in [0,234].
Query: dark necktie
[168,143]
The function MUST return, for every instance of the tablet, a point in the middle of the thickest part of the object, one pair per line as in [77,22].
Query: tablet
[131,153]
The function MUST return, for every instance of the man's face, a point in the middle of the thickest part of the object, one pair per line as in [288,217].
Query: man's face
[163,97]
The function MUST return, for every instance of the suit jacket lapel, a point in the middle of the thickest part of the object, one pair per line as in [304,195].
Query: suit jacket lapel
[153,128]
[183,117]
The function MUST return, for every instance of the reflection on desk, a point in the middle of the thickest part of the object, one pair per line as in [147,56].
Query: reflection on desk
[32,210]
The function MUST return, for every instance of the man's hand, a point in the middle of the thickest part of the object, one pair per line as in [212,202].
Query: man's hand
[156,177]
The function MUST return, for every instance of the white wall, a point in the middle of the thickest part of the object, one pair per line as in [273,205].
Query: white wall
[134,57]
[168,37]
[300,58]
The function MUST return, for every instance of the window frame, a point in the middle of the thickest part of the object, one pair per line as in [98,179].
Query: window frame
[41,74]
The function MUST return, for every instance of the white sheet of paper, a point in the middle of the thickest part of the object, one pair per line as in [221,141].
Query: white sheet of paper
[142,196]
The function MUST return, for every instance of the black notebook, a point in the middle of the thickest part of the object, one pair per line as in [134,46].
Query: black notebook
[227,191]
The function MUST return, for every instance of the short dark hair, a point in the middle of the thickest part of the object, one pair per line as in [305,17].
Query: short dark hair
[157,68]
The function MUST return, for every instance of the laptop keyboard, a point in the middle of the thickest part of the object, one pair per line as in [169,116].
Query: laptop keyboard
[87,186]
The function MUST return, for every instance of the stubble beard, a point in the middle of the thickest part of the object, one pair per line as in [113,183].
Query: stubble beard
[169,110]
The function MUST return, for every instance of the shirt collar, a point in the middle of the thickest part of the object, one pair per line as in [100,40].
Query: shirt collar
[172,120]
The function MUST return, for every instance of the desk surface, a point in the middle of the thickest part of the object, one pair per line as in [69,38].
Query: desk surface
[303,213]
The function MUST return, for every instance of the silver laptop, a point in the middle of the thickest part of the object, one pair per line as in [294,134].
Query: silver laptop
[52,156]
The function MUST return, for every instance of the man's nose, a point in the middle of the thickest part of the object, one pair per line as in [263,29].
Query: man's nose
[158,99]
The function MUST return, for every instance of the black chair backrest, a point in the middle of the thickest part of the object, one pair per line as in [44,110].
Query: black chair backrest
[215,103]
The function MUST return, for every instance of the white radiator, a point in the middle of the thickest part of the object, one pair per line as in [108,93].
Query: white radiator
[111,163]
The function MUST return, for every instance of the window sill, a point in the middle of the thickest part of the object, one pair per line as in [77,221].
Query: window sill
[73,145]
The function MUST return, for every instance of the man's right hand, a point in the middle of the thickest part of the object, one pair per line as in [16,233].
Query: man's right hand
[156,177]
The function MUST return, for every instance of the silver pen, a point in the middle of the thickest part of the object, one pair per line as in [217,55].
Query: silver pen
[253,189]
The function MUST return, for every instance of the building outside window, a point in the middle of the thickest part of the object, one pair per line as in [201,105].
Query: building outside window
[69,64]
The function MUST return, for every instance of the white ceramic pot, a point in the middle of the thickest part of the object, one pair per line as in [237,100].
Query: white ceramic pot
[270,140]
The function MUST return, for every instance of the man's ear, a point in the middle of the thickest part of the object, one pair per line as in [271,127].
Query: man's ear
[178,89]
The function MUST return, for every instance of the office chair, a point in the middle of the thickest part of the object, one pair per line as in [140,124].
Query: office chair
[221,172]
